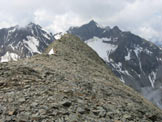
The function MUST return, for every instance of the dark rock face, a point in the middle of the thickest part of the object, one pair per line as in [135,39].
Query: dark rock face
[134,60]
[92,29]
[72,85]
[86,31]
[21,42]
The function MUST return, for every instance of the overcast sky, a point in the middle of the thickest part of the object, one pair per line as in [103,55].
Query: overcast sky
[142,17]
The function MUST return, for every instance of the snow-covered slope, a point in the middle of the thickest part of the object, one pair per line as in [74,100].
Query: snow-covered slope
[59,35]
[21,42]
[9,56]
[101,46]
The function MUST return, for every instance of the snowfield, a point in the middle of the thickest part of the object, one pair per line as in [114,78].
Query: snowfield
[101,48]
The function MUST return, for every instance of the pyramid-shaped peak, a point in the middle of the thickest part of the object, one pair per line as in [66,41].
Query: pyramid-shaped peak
[116,28]
[31,24]
[92,22]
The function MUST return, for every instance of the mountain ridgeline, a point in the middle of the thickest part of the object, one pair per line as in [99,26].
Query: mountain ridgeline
[137,62]
[21,42]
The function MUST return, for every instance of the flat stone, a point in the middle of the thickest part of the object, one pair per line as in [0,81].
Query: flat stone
[34,104]
[80,101]
[126,116]
[80,110]
[12,112]
[21,100]
[42,111]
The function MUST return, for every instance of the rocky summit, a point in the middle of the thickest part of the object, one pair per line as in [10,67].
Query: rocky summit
[72,84]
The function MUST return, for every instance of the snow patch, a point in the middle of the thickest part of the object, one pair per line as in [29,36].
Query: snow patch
[148,52]
[122,79]
[106,39]
[11,31]
[32,44]
[118,67]
[138,50]
[59,35]
[9,57]
[102,49]
[46,36]
[100,26]
[152,78]
[159,59]
[127,58]
[51,52]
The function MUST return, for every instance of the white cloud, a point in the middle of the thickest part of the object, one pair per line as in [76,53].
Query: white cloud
[57,23]
[4,24]
[63,22]
[142,17]
[148,32]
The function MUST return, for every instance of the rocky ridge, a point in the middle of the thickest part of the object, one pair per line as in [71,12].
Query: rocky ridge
[73,84]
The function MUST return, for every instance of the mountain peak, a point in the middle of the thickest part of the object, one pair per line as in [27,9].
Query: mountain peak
[92,22]
[23,41]
[31,25]
[116,28]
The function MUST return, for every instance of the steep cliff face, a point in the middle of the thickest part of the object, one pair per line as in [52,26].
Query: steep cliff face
[21,42]
[73,84]
[137,62]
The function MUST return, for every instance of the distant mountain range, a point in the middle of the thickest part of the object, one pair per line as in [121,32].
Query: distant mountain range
[21,42]
[136,61]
